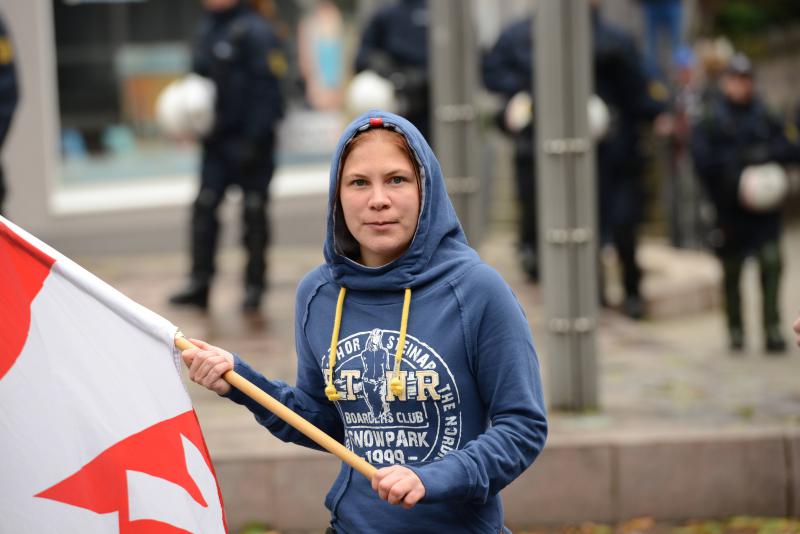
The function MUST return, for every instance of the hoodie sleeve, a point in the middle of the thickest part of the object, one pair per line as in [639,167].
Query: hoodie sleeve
[506,370]
[307,397]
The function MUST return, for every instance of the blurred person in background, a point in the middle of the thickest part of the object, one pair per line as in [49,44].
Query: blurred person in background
[394,45]
[320,44]
[736,132]
[713,57]
[796,328]
[662,19]
[634,101]
[239,50]
[507,70]
[686,204]
[8,94]
[622,85]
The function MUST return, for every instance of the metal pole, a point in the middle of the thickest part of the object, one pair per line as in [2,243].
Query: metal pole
[453,60]
[567,200]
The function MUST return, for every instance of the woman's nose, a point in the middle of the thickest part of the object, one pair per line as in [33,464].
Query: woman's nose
[379,198]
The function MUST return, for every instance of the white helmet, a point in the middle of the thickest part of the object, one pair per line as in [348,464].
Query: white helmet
[367,90]
[185,108]
[763,187]
[599,118]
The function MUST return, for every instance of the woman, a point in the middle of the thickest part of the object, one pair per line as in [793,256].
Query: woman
[435,378]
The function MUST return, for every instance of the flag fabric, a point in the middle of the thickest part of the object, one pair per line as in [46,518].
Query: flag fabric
[97,432]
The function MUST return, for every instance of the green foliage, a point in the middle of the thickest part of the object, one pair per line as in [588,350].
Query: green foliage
[751,25]
[256,527]
[742,18]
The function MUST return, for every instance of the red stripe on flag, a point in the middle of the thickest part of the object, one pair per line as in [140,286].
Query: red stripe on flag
[23,269]
[101,484]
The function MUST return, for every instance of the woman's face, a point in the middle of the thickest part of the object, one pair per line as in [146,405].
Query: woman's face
[379,197]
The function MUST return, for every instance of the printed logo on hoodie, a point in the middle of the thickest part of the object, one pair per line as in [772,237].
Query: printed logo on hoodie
[422,424]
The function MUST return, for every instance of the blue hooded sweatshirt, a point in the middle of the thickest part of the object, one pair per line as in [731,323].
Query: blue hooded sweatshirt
[470,417]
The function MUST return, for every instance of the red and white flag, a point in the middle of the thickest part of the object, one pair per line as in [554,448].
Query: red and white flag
[97,433]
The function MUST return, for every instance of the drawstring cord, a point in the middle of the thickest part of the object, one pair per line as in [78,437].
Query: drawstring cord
[330,389]
[395,383]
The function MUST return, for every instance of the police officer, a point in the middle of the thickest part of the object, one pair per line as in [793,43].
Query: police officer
[395,46]
[621,83]
[240,52]
[507,70]
[633,101]
[8,94]
[735,131]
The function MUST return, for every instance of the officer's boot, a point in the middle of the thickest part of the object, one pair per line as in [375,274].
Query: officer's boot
[194,293]
[529,260]
[770,264]
[205,229]
[256,238]
[625,243]
[528,228]
[732,270]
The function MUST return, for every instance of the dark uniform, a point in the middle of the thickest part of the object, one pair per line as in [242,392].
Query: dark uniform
[507,70]
[240,51]
[8,94]
[395,46]
[621,83]
[729,137]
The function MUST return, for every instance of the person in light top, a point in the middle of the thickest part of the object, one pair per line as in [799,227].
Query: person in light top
[456,412]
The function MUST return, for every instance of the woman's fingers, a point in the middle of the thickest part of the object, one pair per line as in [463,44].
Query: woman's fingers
[189,354]
[399,490]
[206,368]
[388,482]
[201,344]
[212,369]
[398,485]
[414,496]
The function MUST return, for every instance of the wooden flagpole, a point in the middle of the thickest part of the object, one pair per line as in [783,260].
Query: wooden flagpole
[301,424]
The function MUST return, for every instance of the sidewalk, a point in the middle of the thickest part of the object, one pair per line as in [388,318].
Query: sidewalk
[685,430]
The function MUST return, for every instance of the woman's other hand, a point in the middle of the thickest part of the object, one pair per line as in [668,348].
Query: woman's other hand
[398,485]
[207,364]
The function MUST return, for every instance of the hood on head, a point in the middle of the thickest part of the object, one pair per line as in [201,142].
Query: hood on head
[439,244]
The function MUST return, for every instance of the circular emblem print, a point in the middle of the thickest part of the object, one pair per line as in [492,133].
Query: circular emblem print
[422,424]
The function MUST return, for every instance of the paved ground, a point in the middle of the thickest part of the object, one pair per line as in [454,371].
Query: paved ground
[671,371]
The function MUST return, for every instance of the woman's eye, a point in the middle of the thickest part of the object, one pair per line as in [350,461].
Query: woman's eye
[359,182]
[398,179]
